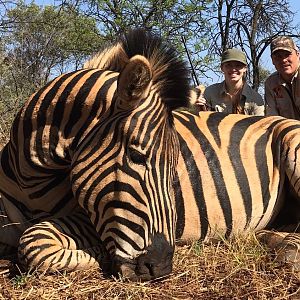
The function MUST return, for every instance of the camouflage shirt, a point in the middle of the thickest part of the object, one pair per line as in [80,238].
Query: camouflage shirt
[282,98]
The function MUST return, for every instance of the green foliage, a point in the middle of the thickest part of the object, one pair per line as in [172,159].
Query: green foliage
[41,39]
[263,73]
[198,248]
[21,280]
[171,19]
[208,26]
[38,43]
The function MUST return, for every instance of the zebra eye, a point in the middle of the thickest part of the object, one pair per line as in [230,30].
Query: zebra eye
[137,157]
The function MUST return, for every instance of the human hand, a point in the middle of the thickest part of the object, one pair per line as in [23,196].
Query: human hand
[200,100]
[196,97]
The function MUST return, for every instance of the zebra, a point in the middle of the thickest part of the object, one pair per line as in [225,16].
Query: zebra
[218,191]
[232,174]
[238,174]
[86,177]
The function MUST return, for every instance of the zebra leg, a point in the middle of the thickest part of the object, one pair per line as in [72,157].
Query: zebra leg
[68,243]
[12,225]
[286,246]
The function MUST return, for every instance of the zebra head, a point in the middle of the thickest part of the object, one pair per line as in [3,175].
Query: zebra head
[125,166]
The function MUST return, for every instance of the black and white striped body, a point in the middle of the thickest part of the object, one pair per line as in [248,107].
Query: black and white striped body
[90,175]
[99,143]
[236,174]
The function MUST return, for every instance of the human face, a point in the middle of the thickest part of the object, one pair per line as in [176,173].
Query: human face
[286,63]
[233,70]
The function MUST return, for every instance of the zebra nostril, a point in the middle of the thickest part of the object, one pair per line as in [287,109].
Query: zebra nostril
[158,267]
[150,268]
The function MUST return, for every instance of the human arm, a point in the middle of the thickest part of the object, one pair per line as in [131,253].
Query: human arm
[259,106]
[197,97]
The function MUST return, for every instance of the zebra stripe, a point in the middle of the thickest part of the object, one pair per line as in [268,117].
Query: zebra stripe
[104,140]
[95,175]
[228,180]
[44,243]
[231,172]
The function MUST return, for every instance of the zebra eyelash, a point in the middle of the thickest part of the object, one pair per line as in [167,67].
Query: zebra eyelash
[137,157]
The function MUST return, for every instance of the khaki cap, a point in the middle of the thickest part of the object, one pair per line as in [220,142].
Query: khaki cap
[234,55]
[283,43]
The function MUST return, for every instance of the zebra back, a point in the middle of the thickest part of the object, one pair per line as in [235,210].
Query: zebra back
[231,172]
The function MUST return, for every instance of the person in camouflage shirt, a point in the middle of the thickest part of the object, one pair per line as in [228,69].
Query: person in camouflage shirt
[282,88]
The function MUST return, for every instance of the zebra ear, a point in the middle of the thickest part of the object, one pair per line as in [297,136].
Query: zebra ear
[135,80]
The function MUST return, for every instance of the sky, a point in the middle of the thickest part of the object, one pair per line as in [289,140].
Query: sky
[295,5]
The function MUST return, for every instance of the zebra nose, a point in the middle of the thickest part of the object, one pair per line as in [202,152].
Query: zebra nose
[154,263]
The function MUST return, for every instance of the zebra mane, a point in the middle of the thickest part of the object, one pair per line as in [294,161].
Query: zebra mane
[170,73]
[111,58]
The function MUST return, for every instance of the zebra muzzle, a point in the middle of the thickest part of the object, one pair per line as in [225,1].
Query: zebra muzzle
[155,263]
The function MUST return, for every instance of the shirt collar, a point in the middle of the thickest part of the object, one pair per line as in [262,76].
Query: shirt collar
[245,90]
[284,83]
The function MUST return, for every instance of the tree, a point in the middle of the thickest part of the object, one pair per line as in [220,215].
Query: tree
[208,27]
[42,42]
[39,43]
[171,19]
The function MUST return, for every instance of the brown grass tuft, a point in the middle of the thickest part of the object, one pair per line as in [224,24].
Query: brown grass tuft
[237,269]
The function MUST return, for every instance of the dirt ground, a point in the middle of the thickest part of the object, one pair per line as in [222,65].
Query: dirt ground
[239,269]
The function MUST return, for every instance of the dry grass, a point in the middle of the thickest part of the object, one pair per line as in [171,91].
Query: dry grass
[239,269]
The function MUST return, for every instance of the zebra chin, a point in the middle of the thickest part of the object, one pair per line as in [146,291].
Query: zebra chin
[155,263]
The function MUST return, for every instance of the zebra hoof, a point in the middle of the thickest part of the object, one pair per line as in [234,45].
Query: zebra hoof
[288,252]
[286,247]
[272,239]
